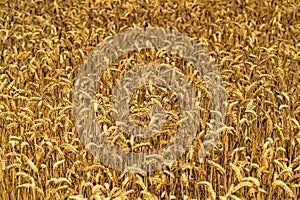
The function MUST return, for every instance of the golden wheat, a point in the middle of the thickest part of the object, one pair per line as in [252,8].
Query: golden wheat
[255,46]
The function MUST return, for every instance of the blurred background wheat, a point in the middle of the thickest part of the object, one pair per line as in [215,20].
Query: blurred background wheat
[256,47]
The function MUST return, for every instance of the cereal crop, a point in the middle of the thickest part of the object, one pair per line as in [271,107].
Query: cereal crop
[255,46]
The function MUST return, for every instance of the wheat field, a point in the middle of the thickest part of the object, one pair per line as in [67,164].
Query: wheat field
[256,48]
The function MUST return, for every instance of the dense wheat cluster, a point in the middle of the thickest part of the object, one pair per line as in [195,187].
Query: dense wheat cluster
[256,47]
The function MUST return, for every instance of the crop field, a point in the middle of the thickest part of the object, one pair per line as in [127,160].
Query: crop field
[255,46]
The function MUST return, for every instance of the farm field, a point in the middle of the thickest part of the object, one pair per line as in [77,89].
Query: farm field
[255,46]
